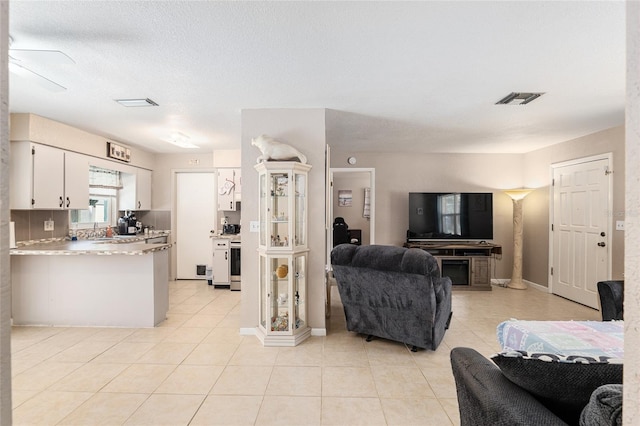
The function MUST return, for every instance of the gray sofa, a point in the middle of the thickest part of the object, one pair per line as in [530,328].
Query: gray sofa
[393,292]
[486,397]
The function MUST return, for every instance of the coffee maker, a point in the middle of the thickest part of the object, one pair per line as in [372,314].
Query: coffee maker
[128,224]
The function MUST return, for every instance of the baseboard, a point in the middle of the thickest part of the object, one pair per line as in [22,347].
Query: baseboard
[247,331]
[319,332]
[502,282]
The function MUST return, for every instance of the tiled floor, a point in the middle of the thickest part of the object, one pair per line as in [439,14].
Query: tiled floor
[195,369]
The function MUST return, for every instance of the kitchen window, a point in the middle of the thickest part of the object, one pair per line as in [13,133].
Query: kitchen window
[102,208]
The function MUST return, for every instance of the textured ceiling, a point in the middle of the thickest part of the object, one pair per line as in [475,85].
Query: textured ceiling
[413,76]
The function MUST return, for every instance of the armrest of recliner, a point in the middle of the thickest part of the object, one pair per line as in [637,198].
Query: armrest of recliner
[487,397]
[611,299]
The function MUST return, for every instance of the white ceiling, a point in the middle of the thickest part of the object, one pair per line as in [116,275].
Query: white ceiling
[413,76]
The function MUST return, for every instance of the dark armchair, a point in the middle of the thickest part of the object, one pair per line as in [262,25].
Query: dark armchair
[340,232]
[393,292]
[611,299]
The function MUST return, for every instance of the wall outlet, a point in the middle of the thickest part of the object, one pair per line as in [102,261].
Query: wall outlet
[48,225]
[619,225]
[254,226]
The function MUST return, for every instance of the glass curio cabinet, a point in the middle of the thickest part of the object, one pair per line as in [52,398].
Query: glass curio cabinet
[283,251]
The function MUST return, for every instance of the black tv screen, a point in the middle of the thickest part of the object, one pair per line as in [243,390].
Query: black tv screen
[450,216]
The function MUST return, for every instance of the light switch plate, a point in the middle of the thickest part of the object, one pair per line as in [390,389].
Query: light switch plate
[48,225]
[619,225]
[254,226]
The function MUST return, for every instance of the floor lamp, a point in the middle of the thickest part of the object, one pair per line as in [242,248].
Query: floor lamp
[517,195]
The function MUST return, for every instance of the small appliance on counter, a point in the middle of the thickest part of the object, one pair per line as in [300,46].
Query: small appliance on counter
[229,228]
[128,224]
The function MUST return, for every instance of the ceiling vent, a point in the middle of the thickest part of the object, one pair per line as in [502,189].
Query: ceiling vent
[136,102]
[518,98]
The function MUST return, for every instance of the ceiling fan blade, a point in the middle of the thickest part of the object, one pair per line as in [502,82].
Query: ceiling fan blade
[34,76]
[44,57]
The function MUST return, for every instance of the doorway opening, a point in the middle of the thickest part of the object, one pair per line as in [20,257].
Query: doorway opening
[353,202]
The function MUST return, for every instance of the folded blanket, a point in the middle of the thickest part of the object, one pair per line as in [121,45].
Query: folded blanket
[604,407]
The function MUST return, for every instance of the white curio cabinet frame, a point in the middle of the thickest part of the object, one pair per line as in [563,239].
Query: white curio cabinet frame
[283,250]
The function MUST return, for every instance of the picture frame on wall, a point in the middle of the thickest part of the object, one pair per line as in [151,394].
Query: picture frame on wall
[345,198]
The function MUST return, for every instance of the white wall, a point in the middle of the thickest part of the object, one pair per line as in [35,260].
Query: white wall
[536,172]
[305,130]
[34,128]
[398,173]
[162,175]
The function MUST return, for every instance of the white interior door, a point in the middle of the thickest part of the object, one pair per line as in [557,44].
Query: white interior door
[581,229]
[195,217]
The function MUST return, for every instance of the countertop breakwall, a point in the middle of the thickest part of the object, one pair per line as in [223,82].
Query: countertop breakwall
[130,245]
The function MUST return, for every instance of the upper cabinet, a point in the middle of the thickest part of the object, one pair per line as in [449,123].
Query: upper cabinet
[229,189]
[43,177]
[136,190]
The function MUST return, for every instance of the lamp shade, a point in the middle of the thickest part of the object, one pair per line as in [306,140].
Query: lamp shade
[517,194]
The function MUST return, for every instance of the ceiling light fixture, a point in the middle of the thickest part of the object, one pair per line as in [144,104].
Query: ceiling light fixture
[519,98]
[136,102]
[181,140]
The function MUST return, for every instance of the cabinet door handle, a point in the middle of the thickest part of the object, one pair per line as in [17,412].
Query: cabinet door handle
[61,201]
[231,204]
[139,204]
[68,202]
[225,256]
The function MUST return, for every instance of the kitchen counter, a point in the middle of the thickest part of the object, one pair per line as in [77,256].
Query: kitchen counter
[234,238]
[90,283]
[95,247]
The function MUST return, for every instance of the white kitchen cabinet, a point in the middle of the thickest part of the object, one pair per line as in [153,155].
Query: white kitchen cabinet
[43,177]
[76,180]
[229,189]
[237,190]
[136,190]
[221,262]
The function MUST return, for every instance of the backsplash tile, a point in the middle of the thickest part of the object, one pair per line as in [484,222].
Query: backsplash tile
[29,224]
[157,219]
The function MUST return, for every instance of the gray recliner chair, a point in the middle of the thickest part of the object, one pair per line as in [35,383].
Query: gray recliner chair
[611,299]
[393,292]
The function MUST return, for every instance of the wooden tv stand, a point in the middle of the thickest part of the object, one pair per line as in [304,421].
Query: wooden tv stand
[467,264]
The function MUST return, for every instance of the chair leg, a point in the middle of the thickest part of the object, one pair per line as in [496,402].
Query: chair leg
[414,349]
[446,327]
[369,338]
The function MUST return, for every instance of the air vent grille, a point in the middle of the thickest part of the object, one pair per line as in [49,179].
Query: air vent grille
[519,98]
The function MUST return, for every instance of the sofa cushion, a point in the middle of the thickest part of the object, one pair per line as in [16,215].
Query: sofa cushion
[604,407]
[563,383]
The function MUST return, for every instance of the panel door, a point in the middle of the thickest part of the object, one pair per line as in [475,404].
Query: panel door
[580,230]
[195,218]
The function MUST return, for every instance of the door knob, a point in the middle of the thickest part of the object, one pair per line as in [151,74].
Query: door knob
[601,244]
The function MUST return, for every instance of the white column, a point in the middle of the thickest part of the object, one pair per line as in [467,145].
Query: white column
[5,282]
[517,195]
[631,379]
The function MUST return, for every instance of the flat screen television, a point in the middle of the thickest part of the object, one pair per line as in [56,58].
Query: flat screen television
[450,216]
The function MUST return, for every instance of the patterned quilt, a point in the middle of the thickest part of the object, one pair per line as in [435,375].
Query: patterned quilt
[595,338]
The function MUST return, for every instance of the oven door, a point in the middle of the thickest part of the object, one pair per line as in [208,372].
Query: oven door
[235,266]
